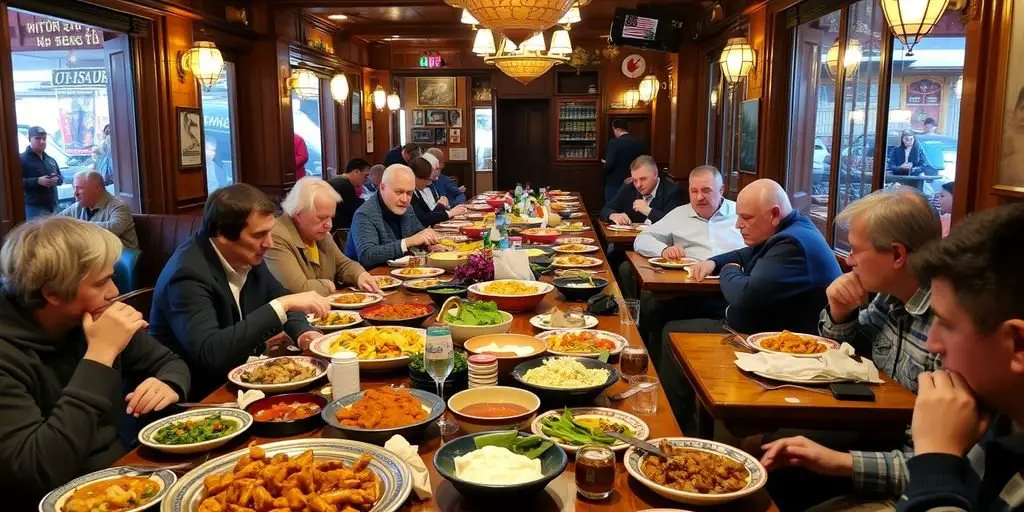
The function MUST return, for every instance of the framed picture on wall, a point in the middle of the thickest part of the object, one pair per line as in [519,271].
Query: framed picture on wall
[190,138]
[440,136]
[455,118]
[437,117]
[369,135]
[1010,171]
[748,135]
[423,135]
[357,110]
[455,135]
[417,118]
[435,92]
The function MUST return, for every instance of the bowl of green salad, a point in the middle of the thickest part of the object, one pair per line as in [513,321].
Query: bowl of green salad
[470,318]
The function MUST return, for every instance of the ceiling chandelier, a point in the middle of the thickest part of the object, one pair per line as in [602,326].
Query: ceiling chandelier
[531,59]
[517,20]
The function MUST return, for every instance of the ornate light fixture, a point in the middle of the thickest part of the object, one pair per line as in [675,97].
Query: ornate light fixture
[304,84]
[649,88]
[483,43]
[527,63]
[394,102]
[516,19]
[573,16]
[560,43]
[380,98]
[204,61]
[630,98]
[468,19]
[854,54]
[737,59]
[339,88]
[911,20]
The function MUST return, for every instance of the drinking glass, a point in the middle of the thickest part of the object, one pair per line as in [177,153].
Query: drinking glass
[438,361]
[595,471]
[646,400]
[575,316]
[629,313]
[633,362]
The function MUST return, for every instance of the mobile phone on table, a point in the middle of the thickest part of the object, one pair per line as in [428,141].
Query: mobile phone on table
[852,391]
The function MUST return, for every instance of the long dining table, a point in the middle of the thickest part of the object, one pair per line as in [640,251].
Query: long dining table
[668,281]
[560,494]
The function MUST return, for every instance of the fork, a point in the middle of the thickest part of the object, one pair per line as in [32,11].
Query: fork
[653,269]
[152,468]
[772,387]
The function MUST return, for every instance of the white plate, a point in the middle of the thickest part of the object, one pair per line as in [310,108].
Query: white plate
[539,321]
[591,262]
[754,340]
[235,376]
[682,263]
[415,284]
[640,429]
[758,475]
[620,342]
[575,240]
[54,500]
[321,347]
[565,228]
[331,328]
[426,272]
[391,282]
[577,215]
[630,227]
[394,474]
[454,238]
[541,287]
[583,250]
[481,207]
[238,416]
[368,299]
[455,224]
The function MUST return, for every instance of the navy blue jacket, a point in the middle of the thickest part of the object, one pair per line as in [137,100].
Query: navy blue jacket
[374,239]
[394,156]
[32,168]
[619,154]
[783,280]
[194,314]
[667,197]
[425,215]
[447,188]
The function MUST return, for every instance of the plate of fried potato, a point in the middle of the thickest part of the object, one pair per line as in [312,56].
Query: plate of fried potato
[378,348]
[335,320]
[350,476]
[354,300]
[791,343]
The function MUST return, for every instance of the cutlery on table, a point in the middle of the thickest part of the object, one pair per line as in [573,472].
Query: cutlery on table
[653,269]
[771,387]
[200,404]
[643,445]
[628,393]
[153,468]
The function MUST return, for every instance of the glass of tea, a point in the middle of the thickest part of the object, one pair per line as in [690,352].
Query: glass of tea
[633,362]
[595,471]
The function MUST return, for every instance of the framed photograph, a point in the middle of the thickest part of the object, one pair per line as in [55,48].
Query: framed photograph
[440,136]
[357,110]
[369,135]
[417,118]
[190,138]
[437,117]
[455,118]
[455,135]
[435,92]
[1010,170]
[748,135]
[423,135]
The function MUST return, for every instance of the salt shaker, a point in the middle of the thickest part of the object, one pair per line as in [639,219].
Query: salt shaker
[344,374]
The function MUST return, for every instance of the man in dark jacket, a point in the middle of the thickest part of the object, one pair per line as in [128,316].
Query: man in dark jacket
[402,154]
[346,185]
[40,175]
[621,152]
[216,302]
[427,202]
[66,351]
[647,198]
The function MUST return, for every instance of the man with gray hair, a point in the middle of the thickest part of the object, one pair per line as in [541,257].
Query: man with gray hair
[442,183]
[95,205]
[646,198]
[67,350]
[304,256]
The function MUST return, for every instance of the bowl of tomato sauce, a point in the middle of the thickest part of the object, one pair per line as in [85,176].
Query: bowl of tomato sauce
[286,415]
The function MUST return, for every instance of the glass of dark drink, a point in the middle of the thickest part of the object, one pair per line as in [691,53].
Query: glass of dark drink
[595,471]
[633,362]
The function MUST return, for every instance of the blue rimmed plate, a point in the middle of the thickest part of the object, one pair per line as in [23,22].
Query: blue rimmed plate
[55,499]
[639,428]
[431,404]
[756,480]
[318,367]
[393,473]
[237,416]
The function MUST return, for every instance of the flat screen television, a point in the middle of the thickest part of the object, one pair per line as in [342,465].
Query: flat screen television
[645,29]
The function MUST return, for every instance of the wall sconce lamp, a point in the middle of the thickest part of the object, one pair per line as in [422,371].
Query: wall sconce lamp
[204,61]
[380,98]
[304,84]
[737,60]
[339,88]
[649,88]
[630,98]
[394,102]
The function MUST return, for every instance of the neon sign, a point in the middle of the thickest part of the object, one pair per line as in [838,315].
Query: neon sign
[431,61]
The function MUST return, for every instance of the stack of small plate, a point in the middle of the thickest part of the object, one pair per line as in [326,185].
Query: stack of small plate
[483,370]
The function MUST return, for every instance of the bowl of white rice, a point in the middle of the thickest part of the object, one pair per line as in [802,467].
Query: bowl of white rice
[566,379]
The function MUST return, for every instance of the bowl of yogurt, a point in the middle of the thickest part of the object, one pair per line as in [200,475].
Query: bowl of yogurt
[489,472]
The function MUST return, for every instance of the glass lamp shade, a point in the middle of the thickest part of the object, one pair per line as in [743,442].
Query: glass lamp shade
[380,98]
[394,102]
[560,43]
[483,43]
[204,61]
[304,84]
[339,88]
[535,43]
[714,98]
[468,18]
[630,98]
[573,16]
[517,19]
[525,69]
[737,59]
[648,88]
[854,54]
[911,20]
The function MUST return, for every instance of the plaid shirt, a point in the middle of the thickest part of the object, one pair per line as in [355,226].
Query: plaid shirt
[896,336]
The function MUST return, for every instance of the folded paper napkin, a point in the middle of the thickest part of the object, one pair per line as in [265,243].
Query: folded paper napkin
[410,454]
[248,397]
[512,264]
[836,364]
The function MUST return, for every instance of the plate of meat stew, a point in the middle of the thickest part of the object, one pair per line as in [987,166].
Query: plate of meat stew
[700,471]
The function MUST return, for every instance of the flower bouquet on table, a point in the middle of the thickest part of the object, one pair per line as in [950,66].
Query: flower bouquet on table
[478,268]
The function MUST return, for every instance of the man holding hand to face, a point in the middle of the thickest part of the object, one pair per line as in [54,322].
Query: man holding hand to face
[646,199]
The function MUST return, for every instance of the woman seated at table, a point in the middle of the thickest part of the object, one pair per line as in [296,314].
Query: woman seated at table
[429,206]
[908,158]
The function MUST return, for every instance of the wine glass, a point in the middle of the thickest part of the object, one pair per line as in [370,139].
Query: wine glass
[439,360]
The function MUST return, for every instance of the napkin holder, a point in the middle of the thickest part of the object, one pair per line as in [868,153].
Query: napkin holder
[602,304]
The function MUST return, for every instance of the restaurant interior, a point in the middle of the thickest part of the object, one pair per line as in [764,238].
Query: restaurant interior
[184,97]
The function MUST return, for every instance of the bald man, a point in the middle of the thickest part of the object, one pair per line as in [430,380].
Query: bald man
[95,205]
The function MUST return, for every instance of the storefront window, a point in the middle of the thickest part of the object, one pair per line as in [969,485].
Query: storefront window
[483,138]
[219,119]
[306,122]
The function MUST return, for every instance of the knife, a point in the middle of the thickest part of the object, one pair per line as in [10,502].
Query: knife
[643,445]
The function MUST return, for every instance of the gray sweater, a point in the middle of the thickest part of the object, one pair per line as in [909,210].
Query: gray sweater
[372,240]
[111,214]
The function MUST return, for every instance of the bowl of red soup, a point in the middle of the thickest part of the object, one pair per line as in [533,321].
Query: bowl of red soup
[286,415]
[493,408]
[409,314]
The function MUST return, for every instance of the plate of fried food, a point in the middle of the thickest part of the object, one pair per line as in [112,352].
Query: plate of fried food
[700,472]
[575,240]
[335,320]
[627,227]
[419,285]
[575,261]
[354,300]
[673,263]
[278,374]
[374,415]
[350,475]
[791,343]
[571,227]
[387,282]
[582,342]
[575,248]
[378,348]
[417,272]
[117,489]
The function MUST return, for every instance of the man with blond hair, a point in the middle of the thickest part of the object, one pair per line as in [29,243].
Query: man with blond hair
[304,256]
[67,351]
[95,205]
[442,183]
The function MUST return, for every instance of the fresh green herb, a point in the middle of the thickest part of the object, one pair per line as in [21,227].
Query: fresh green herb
[530,447]
[475,313]
[195,431]
[447,290]
[416,362]
[603,357]
[565,428]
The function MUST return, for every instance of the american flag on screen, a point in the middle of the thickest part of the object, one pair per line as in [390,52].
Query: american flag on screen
[638,27]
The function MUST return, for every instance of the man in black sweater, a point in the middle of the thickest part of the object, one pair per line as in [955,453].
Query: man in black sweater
[40,176]
[647,197]
[621,152]
[346,185]
[402,154]
[66,353]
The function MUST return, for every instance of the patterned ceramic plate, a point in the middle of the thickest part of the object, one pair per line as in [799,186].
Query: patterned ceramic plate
[639,428]
[757,341]
[543,322]
[318,366]
[618,340]
[354,300]
[240,418]
[675,264]
[54,501]
[417,272]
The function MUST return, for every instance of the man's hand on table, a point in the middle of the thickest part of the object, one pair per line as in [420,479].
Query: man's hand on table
[620,219]
[367,283]
[946,415]
[702,270]
[306,338]
[426,237]
[845,296]
[310,303]
[152,395]
[803,453]
[673,253]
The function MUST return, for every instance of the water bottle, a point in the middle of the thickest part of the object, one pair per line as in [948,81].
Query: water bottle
[501,241]
[519,189]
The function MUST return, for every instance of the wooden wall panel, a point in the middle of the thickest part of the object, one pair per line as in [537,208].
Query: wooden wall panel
[461,170]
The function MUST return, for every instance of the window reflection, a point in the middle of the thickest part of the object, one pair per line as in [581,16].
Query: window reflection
[482,138]
[218,105]
[308,140]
